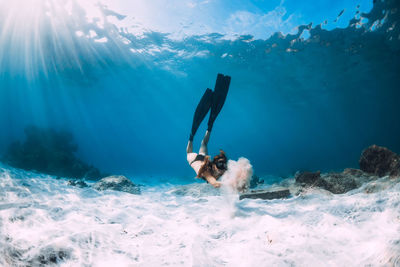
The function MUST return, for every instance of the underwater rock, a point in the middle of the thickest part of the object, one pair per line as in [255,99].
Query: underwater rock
[338,183]
[266,194]
[80,184]
[335,182]
[51,152]
[380,161]
[375,161]
[307,178]
[117,183]
[255,181]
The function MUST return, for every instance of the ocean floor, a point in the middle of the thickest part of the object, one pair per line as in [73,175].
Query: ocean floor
[45,221]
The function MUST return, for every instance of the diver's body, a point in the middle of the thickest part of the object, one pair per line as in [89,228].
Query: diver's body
[205,168]
[201,164]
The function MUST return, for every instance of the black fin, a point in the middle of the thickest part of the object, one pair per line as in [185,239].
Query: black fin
[201,111]
[219,97]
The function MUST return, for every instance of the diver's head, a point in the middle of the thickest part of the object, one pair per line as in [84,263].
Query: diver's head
[220,161]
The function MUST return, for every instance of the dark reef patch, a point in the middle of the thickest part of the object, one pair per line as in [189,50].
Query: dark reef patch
[51,152]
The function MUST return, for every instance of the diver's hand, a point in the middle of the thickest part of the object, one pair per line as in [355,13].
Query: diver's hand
[216,184]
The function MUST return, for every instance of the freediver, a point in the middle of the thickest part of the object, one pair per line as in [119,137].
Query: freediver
[205,168]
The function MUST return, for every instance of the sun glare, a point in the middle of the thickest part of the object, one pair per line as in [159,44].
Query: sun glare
[42,36]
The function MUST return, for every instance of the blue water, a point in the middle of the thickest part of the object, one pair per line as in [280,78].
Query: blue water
[313,83]
[311,97]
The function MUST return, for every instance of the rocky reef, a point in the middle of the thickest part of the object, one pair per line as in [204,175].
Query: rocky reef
[379,168]
[335,182]
[375,162]
[51,152]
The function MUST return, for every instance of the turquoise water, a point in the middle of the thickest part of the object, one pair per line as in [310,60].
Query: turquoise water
[313,83]
[310,98]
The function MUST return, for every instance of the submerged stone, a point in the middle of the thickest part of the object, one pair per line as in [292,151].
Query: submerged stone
[266,194]
[338,183]
[380,161]
[335,182]
[308,178]
[117,183]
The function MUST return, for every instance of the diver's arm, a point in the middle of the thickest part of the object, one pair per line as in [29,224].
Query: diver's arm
[211,180]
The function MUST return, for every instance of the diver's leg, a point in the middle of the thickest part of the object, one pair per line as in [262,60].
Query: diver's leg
[190,156]
[203,148]
[189,148]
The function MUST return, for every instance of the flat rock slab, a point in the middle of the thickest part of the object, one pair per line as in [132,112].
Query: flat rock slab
[266,194]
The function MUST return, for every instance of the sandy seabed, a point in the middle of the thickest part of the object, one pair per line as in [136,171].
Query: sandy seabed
[45,221]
